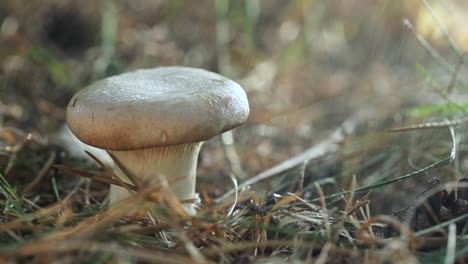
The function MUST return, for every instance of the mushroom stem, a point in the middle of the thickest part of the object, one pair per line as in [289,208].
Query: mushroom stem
[173,161]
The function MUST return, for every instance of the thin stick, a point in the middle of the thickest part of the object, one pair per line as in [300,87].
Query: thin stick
[454,77]
[329,145]
[55,189]
[236,194]
[94,176]
[135,180]
[75,189]
[28,188]
[451,244]
[300,180]
[111,172]
[323,204]
[442,28]
[447,160]
[442,62]
[443,124]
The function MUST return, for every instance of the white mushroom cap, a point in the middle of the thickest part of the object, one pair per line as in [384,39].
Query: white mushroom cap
[156,107]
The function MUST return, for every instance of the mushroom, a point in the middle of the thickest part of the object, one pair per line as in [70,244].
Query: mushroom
[154,122]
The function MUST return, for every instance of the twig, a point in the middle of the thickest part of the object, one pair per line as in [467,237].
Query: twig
[323,204]
[300,180]
[454,77]
[451,244]
[329,145]
[55,189]
[324,254]
[75,189]
[224,67]
[442,28]
[231,154]
[94,176]
[443,124]
[82,245]
[447,160]
[28,188]
[111,172]
[442,62]
[135,180]
[236,196]
[87,190]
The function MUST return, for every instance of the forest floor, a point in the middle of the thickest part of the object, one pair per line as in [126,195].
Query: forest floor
[354,152]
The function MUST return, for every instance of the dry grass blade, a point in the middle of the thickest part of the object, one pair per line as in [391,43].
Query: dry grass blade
[230,247]
[454,77]
[19,223]
[406,233]
[311,206]
[323,204]
[134,179]
[441,60]
[98,223]
[41,174]
[236,194]
[350,208]
[94,176]
[15,136]
[451,244]
[357,206]
[323,256]
[316,138]
[111,172]
[329,145]
[93,246]
[231,154]
[442,28]
[447,160]
[443,124]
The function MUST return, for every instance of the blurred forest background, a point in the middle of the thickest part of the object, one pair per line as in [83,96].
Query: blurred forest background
[307,66]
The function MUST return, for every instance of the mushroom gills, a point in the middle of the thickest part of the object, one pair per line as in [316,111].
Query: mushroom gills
[178,162]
